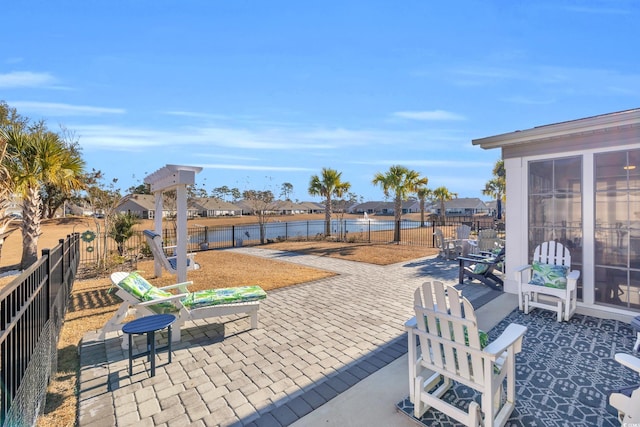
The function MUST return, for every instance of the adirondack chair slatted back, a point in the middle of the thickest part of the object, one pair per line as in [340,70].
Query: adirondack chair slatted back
[448,247]
[487,239]
[452,342]
[463,232]
[552,253]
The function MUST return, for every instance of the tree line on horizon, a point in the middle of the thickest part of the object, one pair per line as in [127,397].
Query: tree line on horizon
[46,170]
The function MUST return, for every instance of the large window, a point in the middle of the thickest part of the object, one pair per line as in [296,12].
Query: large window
[555,206]
[617,228]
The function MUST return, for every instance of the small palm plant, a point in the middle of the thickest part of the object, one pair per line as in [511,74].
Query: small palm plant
[121,230]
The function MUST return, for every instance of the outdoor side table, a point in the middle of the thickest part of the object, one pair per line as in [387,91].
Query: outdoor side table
[149,325]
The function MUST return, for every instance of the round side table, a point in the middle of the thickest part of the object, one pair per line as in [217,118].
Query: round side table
[149,325]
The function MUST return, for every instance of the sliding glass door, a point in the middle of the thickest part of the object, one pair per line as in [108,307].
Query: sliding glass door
[617,228]
[555,206]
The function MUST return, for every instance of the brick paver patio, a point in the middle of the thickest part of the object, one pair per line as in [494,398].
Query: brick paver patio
[314,341]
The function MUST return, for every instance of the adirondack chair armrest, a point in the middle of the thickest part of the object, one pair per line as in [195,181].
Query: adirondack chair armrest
[182,286]
[512,335]
[520,271]
[470,259]
[161,300]
[629,361]
[572,279]
[477,260]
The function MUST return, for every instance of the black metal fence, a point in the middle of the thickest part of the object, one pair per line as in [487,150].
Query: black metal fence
[32,310]
[221,237]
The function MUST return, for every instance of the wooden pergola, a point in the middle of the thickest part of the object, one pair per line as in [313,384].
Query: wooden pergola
[173,177]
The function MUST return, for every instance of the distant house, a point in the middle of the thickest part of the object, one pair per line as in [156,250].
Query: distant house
[212,207]
[14,207]
[385,208]
[312,207]
[578,182]
[492,205]
[366,207]
[287,207]
[143,206]
[465,206]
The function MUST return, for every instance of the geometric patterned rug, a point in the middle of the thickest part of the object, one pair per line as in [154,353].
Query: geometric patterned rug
[564,373]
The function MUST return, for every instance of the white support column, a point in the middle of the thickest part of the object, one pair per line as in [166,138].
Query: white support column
[157,223]
[181,243]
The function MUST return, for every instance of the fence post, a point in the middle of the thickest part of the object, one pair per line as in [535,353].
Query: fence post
[46,256]
[62,257]
[433,234]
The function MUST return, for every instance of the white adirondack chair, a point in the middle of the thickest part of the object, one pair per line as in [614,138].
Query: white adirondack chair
[533,293]
[488,240]
[627,401]
[449,249]
[451,350]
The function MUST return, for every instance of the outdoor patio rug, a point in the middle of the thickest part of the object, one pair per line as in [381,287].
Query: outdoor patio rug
[563,375]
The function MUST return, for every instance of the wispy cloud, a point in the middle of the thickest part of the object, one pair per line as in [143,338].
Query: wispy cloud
[59,109]
[227,156]
[22,79]
[197,115]
[270,168]
[117,138]
[556,79]
[434,115]
[461,164]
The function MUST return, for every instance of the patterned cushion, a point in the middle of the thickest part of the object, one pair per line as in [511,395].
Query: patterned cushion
[135,284]
[138,286]
[549,275]
[482,267]
[223,296]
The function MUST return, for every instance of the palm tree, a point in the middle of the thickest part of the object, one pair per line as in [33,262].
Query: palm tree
[122,229]
[5,195]
[402,182]
[497,186]
[423,193]
[37,157]
[327,185]
[442,194]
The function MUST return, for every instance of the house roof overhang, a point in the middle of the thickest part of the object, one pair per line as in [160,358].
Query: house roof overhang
[589,125]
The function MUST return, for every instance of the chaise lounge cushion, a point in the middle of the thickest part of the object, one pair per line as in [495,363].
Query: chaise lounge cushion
[549,275]
[223,296]
[138,286]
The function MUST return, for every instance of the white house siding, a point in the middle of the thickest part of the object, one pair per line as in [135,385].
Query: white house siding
[586,138]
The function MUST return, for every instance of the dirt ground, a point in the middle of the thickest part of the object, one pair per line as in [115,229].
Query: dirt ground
[92,305]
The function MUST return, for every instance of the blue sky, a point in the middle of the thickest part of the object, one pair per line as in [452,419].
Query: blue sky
[260,93]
